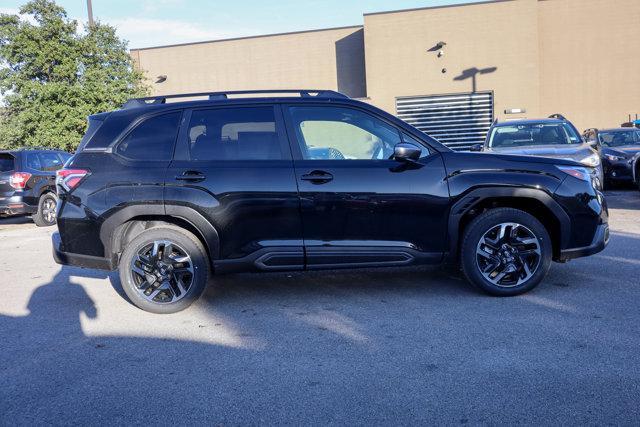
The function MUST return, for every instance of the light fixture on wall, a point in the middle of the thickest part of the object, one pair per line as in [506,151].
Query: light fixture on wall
[438,47]
[161,79]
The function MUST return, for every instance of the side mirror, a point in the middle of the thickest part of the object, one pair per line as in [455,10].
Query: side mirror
[404,152]
[476,147]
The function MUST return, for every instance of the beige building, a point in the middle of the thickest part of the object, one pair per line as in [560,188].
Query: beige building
[448,70]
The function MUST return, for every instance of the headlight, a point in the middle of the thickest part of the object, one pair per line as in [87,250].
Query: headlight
[613,158]
[592,160]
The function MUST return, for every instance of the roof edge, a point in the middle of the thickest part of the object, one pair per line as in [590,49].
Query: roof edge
[248,37]
[446,6]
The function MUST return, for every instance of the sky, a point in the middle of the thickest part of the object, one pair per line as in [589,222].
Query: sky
[147,23]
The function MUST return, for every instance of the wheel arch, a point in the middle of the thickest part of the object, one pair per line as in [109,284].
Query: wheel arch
[127,223]
[533,201]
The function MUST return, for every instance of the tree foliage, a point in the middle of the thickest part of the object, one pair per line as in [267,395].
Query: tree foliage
[52,76]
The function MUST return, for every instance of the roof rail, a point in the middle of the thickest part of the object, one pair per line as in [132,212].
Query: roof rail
[216,96]
[35,148]
[557,116]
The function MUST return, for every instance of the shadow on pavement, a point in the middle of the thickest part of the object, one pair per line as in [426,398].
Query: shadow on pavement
[389,346]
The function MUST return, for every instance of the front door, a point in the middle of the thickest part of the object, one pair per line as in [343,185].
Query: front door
[233,167]
[359,206]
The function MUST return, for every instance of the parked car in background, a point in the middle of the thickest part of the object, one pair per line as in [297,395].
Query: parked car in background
[27,183]
[618,148]
[169,193]
[554,137]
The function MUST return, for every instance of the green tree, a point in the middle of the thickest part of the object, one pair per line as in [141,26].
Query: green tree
[53,76]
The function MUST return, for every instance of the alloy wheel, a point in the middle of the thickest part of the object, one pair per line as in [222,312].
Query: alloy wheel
[49,210]
[162,272]
[508,254]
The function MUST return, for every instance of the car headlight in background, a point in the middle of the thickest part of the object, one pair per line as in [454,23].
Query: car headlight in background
[592,160]
[613,158]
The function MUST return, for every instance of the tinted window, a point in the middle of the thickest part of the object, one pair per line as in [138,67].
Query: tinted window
[33,161]
[234,134]
[342,134]
[6,162]
[49,162]
[92,128]
[153,139]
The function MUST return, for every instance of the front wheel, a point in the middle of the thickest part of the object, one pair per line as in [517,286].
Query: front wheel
[506,252]
[164,269]
[45,216]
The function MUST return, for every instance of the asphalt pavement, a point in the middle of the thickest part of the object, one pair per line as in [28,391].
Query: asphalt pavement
[367,347]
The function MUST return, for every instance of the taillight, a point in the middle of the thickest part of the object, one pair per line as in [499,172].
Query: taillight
[70,178]
[19,180]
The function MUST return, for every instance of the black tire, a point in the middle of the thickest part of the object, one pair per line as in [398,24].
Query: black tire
[44,217]
[492,220]
[184,241]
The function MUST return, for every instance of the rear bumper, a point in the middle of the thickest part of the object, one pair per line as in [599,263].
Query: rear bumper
[599,242]
[78,260]
[15,205]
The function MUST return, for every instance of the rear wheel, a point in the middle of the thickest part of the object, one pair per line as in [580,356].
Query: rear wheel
[506,252]
[164,269]
[46,213]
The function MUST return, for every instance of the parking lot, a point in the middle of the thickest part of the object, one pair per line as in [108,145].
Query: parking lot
[387,346]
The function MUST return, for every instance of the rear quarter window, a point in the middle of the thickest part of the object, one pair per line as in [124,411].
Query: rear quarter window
[7,162]
[153,139]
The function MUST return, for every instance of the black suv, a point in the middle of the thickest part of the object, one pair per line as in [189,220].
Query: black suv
[27,183]
[170,192]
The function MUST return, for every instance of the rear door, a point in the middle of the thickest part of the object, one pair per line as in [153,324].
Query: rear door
[233,167]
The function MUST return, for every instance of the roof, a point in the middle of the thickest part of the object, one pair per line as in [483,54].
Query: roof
[529,122]
[250,37]
[630,129]
[444,6]
[30,150]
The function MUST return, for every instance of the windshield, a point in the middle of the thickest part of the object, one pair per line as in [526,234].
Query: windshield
[6,162]
[533,134]
[620,138]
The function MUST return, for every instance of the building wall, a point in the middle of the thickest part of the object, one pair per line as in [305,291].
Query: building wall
[590,60]
[489,46]
[323,59]
[575,57]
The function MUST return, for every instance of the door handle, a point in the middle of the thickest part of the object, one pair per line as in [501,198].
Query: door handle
[192,176]
[317,177]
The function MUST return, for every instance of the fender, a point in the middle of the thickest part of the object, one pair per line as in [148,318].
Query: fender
[190,215]
[473,198]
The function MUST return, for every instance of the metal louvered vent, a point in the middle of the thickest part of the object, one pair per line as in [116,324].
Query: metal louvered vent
[458,120]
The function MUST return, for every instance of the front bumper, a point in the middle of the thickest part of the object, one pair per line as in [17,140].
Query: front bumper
[599,242]
[618,171]
[78,260]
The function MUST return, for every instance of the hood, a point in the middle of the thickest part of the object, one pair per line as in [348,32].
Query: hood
[575,152]
[623,151]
